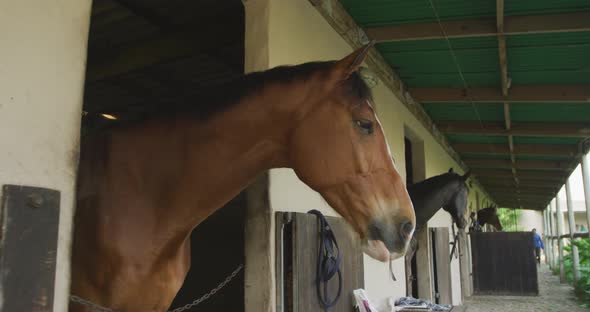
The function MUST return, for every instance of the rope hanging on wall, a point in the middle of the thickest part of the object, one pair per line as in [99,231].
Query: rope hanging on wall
[328,263]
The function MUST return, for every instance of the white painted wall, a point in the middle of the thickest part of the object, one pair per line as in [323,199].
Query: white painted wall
[298,33]
[530,219]
[42,66]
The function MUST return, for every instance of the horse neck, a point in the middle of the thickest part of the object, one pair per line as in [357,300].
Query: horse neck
[430,196]
[222,155]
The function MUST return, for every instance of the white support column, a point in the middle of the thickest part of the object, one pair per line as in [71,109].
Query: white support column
[553,233]
[559,214]
[547,231]
[42,68]
[586,179]
[572,226]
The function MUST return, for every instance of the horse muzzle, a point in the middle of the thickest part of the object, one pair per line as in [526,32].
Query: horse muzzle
[388,241]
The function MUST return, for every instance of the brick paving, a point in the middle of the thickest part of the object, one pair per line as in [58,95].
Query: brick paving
[553,297]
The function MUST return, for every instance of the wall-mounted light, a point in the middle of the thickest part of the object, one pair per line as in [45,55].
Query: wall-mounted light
[109,116]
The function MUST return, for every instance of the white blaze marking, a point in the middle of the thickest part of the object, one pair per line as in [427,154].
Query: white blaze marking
[382,130]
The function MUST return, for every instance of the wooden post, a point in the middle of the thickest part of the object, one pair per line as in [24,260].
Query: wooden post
[586,179]
[572,225]
[559,239]
[259,284]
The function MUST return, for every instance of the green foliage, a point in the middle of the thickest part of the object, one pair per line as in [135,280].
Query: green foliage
[582,287]
[509,219]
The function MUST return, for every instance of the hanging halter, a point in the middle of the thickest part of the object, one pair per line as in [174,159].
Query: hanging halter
[328,263]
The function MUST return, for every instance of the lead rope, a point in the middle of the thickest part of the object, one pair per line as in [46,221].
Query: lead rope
[206,296]
[328,263]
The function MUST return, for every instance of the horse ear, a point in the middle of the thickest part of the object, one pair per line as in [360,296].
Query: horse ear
[451,170]
[466,175]
[351,63]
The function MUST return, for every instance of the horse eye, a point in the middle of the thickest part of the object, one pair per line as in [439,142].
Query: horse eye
[364,126]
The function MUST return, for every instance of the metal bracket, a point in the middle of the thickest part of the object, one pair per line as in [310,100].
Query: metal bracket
[29,221]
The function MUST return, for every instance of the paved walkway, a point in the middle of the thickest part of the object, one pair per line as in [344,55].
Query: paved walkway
[553,297]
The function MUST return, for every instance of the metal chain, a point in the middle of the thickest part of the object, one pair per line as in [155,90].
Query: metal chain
[211,293]
[206,296]
[90,304]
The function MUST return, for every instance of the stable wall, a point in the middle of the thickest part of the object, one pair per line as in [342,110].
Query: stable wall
[42,66]
[298,33]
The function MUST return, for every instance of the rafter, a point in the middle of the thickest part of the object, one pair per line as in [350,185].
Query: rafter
[564,130]
[523,190]
[538,175]
[529,93]
[519,149]
[525,181]
[559,165]
[524,24]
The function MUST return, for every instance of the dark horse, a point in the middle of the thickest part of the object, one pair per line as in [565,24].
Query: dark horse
[489,215]
[448,191]
[143,187]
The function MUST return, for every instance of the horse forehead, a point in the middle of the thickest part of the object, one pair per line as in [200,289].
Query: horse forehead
[380,126]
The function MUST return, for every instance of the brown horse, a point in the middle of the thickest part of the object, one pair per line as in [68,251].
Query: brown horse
[144,186]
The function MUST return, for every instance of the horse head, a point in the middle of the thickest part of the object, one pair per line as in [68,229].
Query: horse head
[489,215]
[457,205]
[338,148]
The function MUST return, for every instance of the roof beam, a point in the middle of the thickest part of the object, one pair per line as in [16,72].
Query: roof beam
[564,130]
[559,165]
[523,190]
[529,93]
[525,181]
[498,173]
[502,53]
[519,149]
[524,24]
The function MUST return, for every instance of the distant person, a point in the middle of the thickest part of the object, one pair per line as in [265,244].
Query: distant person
[538,245]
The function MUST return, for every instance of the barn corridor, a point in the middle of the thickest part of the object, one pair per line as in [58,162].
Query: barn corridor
[553,297]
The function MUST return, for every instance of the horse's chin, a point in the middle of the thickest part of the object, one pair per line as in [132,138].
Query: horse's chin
[376,249]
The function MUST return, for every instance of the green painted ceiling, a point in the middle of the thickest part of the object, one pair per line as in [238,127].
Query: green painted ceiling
[560,58]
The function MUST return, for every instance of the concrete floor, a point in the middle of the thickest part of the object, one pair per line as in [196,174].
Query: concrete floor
[553,297]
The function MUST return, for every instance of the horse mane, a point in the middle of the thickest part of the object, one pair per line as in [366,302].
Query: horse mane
[426,185]
[221,97]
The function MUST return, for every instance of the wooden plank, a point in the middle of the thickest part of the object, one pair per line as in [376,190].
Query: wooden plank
[559,165]
[29,219]
[531,93]
[305,252]
[519,149]
[524,24]
[504,264]
[534,129]
[443,264]
[464,268]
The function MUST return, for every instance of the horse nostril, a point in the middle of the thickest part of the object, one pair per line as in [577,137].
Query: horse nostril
[406,228]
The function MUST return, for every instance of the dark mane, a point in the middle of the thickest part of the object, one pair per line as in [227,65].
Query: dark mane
[429,184]
[221,97]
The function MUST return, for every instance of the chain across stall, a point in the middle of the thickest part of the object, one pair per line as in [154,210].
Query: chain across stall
[186,307]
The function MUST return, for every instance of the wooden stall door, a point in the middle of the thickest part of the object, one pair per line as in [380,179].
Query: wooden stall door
[298,253]
[442,265]
[504,263]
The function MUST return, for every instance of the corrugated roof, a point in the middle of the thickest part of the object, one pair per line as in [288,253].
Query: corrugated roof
[548,59]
